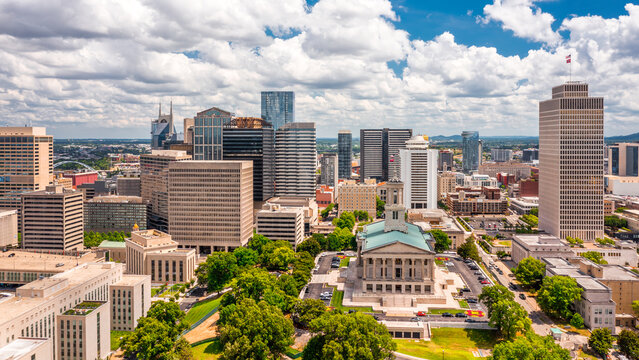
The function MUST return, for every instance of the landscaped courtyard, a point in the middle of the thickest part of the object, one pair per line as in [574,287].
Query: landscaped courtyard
[451,343]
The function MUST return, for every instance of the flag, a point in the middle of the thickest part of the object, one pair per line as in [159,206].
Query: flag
[392,158]
[568,59]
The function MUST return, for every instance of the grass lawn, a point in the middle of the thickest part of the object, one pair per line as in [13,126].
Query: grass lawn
[344,262]
[338,297]
[439,263]
[200,309]
[115,338]
[155,291]
[582,355]
[457,344]
[208,350]
[441,311]
[463,304]
[505,243]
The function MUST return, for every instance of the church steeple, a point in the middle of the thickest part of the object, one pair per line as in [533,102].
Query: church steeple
[394,209]
[160,110]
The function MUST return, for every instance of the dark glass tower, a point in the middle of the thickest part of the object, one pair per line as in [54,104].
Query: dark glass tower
[278,107]
[344,153]
[470,151]
[208,134]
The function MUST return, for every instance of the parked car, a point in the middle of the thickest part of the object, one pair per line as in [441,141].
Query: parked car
[415,319]
[465,289]
[468,261]
[471,301]
[421,313]
[446,314]
[478,273]
[480,278]
[469,320]
[474,267]
[484,282]
[461,315]
[12,255]
[522,296]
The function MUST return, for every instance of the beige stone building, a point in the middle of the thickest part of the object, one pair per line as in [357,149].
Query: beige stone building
[211,204]
[53,219]
[33,310]
[446,183]
[437,219]
[24,266]
[623,253]
[352,196]
[308,205]
[571,143]
[84,331]
[477,201]
[8,228]
[521,171]
[539,246]
[28,349]
[129,301]
[154,185]
[281,223]
[152,252]
[26,163]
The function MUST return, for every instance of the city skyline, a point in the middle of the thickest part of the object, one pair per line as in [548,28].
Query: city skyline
[426,70]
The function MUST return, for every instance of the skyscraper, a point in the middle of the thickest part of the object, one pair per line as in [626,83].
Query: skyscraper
[470,151]
[379,149]
[154,185]
[208,133]
[419,174]
[528,155]
[211,204]
[501,155]
[278,107]
[571,163]
[344,153]
[328,169]
[623,159]
[26,163]
[295,159]
[252,139]
[445,160]
[162,129]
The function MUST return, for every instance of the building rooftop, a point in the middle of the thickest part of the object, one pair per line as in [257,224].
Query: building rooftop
[374,236]
[42,262]
[539,239]
[112,244]
[116,199]
[84,308]
[130,279]
[616,272]
[4,212]
[20,347]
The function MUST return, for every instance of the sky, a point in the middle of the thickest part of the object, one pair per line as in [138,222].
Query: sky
[98,69]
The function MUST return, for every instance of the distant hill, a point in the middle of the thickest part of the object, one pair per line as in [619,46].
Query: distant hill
[623,138]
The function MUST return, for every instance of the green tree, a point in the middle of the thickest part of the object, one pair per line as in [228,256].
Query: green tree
[327,211]
[509,318]
[345,220]
[348,336]
[257,242]
[534,211]
[151,340]
[257,284]
[601,341]
[442,241]
[277,258]
[245,256]
[629,344]
[310,245]
[595,257]
[321,239]
[530,272]
[202,274]
[168,313]
[574,241]
[308,310]
[577,321]
[635,307]
[288,285]
[468,250]
[605,241]
[221,268]
[491,295]
[380,206]
[615,222]
[250,330]
[530,347]
[556,295]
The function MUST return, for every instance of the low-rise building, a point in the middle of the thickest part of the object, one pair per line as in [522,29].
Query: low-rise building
[477,201]
[352,196]
[152,252]
[621,185]
[281,223]
[479,180]
[437,219]
[19,267]
[623,253]
[521,171]
[129,186]
[539,246]
[28,349]
[114,213]
[522,206]
[324,196]
[84,331]
[308,205]
[8,228]
[112,250]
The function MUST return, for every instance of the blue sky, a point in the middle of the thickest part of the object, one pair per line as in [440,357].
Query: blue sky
[98,69]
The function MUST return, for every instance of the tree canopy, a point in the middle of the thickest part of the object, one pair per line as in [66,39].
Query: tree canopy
[379,204]
[530,272]
[250,330]
[220,268]
[308,310]
[245,256]
[442,241]
[257,242]
[468,250]
[595,257]
[345,220]
[629,344]
[600,341]
[509,318]
[348,336]
[258,284]
[556,295]
[168,313]
[490,295]
[310,245]
[530,347]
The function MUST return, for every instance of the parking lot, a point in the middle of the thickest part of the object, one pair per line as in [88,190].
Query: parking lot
[470,278]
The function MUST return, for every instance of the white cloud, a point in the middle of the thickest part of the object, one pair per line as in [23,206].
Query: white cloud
[523,18]
[99,69]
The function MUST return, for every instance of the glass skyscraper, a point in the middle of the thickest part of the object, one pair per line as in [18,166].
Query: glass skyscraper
[208,134]
[470,151]
[344,153]
[278,107]
[623,159]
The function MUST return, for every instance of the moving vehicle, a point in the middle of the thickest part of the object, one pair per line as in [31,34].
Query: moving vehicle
[421,313]
[522,296]
[461,315]
[446,314]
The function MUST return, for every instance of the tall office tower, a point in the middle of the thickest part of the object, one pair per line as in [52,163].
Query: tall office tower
[379,149]
[114,213]
[208,133]
[419,174]
[345,153]
[295,159]
[571,163]
[623,159]
[252,139]
[189,124]
[162,129]
[52,219]
[129,185]
[154,184]
[211,204]
[329,169]
[528,155]
[278,107]
[445,160]
[501,155]
[26,163]
[471,152]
